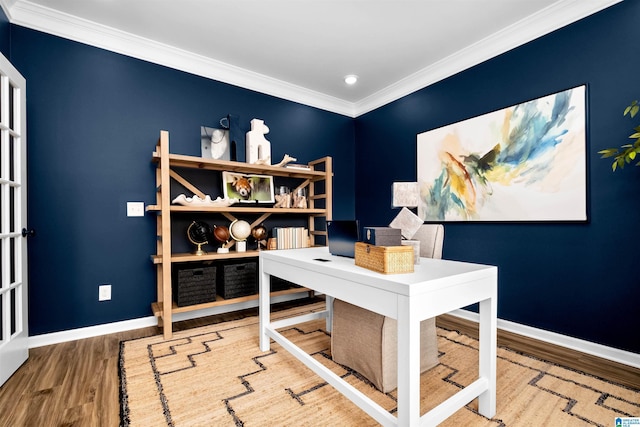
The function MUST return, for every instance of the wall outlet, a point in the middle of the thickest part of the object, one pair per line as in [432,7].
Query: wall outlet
[135,208]
[104,292]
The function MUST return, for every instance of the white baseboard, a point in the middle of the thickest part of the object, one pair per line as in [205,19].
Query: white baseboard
[598,350]
[144,322]
[91,331]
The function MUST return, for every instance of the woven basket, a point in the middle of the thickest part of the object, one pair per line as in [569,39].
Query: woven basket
[194,285]
[385,259]
[238,279]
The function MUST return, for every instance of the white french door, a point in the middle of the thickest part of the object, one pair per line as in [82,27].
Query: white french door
[14,330]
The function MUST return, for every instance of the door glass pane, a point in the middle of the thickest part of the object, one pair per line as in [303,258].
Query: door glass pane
[14,312]
[12,160]
[12,91]
[12,262]
[12,209]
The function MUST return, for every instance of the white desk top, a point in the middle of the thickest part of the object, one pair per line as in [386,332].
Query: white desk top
[429,275]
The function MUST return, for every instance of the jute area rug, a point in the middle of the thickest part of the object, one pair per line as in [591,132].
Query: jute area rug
[217,376]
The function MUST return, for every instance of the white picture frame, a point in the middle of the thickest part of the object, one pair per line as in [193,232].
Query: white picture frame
[248,188]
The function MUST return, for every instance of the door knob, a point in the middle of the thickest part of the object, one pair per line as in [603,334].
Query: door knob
[28,233]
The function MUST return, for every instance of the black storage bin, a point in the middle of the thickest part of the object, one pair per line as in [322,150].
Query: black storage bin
[194,284]
[238,279]
[278,284]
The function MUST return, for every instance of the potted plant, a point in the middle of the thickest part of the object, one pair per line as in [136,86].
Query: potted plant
[627,152]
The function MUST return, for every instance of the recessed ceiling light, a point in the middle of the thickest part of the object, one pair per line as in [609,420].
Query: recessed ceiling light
[351,79]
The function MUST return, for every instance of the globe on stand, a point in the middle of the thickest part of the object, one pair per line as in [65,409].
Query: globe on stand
[240,230]
[198,233]
[222,235]
[260,234]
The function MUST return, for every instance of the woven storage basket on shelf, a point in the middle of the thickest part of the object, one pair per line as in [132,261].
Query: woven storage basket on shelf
[194,285]
[385,259]
[238,279]
[278,284]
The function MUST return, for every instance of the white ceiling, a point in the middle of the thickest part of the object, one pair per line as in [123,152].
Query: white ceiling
[301,49]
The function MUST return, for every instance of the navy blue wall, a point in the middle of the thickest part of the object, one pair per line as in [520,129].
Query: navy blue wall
[578,279]
[93,120]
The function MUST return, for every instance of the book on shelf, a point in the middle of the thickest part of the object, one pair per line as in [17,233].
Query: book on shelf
[291,237]
[297,166]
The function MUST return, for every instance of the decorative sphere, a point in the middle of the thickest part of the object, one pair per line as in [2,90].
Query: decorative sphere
[198,232]
[240,230]
[221,233]
[259,232]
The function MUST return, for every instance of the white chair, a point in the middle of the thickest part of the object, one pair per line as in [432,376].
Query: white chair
[367,342]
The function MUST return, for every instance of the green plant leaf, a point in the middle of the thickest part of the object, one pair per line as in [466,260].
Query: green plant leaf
[632,109]
[609,152]
[628,152]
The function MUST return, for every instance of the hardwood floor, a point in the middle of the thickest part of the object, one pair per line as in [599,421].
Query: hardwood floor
[76,383]
[609,370]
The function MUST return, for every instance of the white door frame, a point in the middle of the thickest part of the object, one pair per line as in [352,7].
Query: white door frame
[14,325]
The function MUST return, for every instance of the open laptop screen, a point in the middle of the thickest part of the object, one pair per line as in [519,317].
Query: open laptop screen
[342,236]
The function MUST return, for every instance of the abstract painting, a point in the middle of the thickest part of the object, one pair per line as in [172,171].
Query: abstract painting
[522,163]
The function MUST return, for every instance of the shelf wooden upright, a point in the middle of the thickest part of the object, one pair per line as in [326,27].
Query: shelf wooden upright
[318,180]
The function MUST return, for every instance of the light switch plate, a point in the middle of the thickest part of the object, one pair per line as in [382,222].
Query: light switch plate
[135,208]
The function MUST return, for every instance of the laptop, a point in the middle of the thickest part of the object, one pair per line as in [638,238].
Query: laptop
[342,236]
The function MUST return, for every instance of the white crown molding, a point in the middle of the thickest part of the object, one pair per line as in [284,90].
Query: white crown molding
[558,15]
[31,15]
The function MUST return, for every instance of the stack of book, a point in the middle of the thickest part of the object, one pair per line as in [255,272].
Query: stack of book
[291,237]
[297,166]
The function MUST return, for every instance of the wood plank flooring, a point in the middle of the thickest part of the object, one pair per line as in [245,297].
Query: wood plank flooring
[76,383]
[626,375]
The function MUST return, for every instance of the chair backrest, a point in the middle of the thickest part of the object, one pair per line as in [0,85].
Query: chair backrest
[431,238]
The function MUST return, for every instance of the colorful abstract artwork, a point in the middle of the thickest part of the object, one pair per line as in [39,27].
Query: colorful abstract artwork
[522,163]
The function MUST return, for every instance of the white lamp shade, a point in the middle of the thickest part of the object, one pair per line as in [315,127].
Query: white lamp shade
[405,194]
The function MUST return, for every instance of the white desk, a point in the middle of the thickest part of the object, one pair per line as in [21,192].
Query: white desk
[435,287]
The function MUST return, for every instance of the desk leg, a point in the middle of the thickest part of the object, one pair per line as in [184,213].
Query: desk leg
[488,354]
[408,365]
[329,308]
[264,307]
